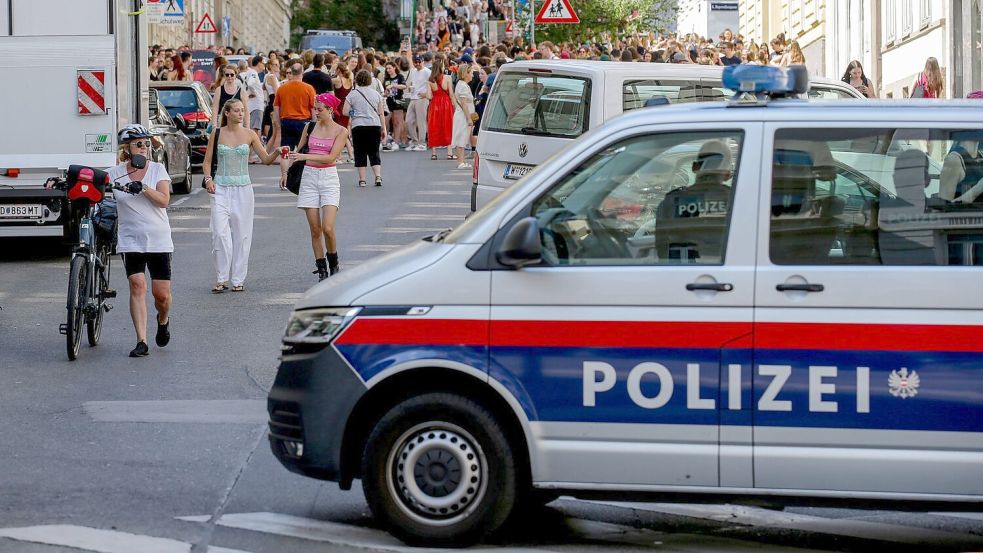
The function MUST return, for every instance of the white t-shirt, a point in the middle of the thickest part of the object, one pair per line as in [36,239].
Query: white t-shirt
[143,227]
[417,81]
[254,88]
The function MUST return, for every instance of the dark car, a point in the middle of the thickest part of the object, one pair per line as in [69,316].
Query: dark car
[174,147]
[193,103]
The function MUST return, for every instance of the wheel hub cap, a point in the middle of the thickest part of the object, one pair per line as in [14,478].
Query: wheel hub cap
[438,472]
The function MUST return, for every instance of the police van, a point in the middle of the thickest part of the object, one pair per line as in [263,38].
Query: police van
[536,108]
[769,300]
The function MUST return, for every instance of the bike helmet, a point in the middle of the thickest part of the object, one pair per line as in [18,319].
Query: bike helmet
[131,132]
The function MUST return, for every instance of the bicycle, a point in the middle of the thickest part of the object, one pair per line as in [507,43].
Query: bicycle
[88,280]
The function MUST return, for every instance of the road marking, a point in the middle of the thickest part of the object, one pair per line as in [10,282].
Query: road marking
[455,205]
[970,516]
[222,411]
[443,193]
[274,204]
[751,516]
[191,229]
[407,230]
[330,532]
[288,298]
[428,217]
[188,197]
[100,541]
[376,247]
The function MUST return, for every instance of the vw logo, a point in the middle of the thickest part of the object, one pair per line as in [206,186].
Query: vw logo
[523,150]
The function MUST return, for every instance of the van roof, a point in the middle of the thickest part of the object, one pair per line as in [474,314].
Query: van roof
[684,70]
[878,112]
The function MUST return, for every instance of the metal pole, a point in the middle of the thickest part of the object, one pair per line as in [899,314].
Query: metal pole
[532,21]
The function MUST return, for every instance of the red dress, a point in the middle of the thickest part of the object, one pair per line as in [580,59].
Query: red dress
[341,119]
[440,118]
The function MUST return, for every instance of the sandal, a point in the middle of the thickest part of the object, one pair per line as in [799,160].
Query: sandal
[220,288]
[433,157]
[361,184]
[240,288]
[451,157]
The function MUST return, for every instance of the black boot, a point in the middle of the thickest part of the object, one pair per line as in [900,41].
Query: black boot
[322,269]
[333,262]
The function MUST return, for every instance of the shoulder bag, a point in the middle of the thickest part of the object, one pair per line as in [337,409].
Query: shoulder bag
[376,112]
[296,171]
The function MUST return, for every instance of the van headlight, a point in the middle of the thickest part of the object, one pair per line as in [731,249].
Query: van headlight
[317,326]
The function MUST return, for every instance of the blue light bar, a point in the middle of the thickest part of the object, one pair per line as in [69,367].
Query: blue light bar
[758,79]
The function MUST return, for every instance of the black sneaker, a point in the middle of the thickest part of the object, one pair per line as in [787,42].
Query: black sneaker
[141,350]
[163,334]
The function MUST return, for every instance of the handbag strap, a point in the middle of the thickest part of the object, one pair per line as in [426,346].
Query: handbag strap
[307,132]
[368,102]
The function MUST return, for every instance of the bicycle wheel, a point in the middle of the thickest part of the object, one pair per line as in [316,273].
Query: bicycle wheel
[93,325]
[77,294]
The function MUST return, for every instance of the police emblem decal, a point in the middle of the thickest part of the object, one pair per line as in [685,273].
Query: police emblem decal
[523,150]
[903,384]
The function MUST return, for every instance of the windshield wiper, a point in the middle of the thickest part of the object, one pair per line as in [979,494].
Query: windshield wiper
[534,131]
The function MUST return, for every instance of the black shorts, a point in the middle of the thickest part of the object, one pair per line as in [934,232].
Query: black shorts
[159,264]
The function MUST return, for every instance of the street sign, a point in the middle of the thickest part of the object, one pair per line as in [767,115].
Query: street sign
[557,11]
[508,25]
[226,25]
[173,8]
[206,25]
[155,12]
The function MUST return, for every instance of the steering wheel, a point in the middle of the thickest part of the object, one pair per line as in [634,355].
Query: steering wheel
[557,244]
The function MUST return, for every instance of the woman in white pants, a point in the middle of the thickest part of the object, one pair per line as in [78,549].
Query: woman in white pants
[320,189]
[232,195]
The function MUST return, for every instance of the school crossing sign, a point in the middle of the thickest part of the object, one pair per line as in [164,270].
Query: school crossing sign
[557,11]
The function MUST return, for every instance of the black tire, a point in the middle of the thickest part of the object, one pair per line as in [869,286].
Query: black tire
[184,187]
[93,326]
[447,431]
[77,293]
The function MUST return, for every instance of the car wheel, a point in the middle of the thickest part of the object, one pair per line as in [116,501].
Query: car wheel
[438,470]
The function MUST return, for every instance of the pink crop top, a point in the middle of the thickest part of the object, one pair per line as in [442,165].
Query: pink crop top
[319,146]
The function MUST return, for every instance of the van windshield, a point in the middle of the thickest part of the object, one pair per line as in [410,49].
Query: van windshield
[542,105]
[322,43]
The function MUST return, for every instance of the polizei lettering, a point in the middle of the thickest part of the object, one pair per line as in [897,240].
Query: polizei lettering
[600,377]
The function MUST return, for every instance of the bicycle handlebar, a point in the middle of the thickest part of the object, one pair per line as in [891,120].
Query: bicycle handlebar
[132,187]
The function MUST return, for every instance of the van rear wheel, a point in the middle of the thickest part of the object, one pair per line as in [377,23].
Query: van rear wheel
[438,470]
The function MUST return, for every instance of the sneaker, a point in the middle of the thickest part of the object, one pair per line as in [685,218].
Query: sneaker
[463,165]
[419,148]
[163,334]
[141,350]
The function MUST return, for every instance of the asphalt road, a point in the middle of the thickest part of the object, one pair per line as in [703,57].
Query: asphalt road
[169,452]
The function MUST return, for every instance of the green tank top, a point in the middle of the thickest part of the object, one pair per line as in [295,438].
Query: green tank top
[233,165]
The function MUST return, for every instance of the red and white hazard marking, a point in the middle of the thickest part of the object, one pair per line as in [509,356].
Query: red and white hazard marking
[91,92]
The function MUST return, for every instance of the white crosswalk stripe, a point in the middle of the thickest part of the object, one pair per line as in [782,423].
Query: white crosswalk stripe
[101,541]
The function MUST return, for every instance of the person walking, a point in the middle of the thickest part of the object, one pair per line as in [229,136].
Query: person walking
[232,195]
[231,88]
[293,105]
[855,77]
[271,126]
[440,118]
[320,188]
[343,85]
[416,113]
[364,106]
[256,102]
[464,115]
[144,235]
[318,77]
[395,85]
[929,83]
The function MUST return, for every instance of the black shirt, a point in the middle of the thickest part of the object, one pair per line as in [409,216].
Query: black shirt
[320,80]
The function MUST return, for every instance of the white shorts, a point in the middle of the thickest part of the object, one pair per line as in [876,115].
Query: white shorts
[319,187]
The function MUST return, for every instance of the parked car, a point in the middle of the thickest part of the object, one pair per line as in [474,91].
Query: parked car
[173,147]
[193,103]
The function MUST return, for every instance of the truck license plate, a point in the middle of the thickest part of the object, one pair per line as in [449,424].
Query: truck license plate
[20,211]
[514,171]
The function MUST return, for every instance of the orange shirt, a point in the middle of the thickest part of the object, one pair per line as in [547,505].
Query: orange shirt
[295,100]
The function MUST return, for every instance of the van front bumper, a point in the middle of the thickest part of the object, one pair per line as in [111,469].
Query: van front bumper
[309,406]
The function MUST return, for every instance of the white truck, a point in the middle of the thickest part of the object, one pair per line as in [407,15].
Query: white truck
[75,72]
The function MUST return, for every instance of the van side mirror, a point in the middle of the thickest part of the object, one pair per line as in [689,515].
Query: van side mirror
[522,245]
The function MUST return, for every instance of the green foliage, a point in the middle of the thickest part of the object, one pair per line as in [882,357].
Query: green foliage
[365,17]
[611,18]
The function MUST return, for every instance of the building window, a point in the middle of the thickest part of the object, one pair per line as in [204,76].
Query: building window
[925,13]
[906,17]
[889,22]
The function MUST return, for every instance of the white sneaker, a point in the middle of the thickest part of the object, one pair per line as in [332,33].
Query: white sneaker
[419,148]
[464,165]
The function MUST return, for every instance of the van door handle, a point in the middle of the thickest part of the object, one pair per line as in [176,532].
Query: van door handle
[800,287]
[714,286]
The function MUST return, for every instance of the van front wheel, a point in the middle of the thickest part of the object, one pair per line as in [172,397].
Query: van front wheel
[438,470]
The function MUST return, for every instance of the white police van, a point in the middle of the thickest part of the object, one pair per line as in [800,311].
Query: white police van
[703,302]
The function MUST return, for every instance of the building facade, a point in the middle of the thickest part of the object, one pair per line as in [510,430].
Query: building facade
[707,18]
[257,25]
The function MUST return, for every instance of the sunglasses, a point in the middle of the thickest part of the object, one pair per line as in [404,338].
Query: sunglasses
[141,144]
[230,74]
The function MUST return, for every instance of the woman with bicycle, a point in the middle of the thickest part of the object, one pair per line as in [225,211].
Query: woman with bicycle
[144,235]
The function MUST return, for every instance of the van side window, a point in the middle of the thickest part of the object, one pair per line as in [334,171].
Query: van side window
[638,91]
[877,197]
[661,199]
